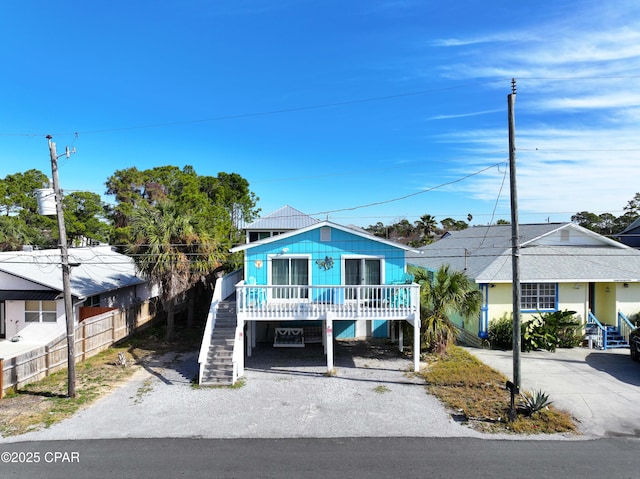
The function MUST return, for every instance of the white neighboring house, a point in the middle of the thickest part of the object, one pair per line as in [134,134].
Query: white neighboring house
[31,291]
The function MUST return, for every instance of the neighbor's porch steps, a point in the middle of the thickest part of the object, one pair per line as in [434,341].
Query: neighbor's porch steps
[219,368]
[615,339]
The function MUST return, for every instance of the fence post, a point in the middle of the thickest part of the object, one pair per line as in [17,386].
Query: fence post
[1,378]
[47,360]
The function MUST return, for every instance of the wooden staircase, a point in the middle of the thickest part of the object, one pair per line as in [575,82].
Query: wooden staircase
[219,367]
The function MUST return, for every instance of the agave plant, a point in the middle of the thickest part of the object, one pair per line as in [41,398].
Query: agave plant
[535,402]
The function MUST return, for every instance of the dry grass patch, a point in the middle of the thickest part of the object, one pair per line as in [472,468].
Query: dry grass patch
[45,402]
[41,404]
[476,395]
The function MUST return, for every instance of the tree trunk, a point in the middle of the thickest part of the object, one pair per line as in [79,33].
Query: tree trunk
[191,308]
[170,309]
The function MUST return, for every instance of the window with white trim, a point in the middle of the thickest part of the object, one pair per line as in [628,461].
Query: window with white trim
[292,272]
[538,296]
[40,311]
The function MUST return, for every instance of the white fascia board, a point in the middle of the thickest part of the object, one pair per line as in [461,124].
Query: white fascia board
[321,224]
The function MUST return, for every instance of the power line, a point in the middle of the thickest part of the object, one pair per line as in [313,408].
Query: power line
[263,113]
[409,195]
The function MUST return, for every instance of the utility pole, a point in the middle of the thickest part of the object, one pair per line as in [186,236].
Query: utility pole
[514,387]
[66,270]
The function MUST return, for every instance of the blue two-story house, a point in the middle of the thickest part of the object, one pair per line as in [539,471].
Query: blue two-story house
[321,282]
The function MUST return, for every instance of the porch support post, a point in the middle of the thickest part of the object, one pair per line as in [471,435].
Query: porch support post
[324,336]
[250,338]
[329,346]
[400,336]
[239,343]
[416,343]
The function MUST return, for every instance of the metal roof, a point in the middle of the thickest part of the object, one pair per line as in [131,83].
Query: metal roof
[549,252]
[283,219]
[357,231]
[94,270]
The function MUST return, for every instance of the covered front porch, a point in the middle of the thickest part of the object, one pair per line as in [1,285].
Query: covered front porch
[290,308]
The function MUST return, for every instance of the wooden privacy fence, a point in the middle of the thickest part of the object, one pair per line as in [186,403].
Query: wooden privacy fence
[92,335]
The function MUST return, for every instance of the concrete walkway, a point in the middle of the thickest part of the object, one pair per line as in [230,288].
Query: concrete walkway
[600,388]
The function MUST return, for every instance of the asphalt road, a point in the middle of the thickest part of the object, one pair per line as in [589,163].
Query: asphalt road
[458,458]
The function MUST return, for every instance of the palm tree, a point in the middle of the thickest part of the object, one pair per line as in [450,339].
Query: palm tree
[443,294]
[427,224]
[170,252]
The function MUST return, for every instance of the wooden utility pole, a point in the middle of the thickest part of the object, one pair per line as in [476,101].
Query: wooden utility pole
[66,271]
[514,387]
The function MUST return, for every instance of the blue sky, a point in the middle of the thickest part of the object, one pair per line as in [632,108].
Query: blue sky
[359,111]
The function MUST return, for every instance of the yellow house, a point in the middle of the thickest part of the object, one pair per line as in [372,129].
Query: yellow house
[562,267]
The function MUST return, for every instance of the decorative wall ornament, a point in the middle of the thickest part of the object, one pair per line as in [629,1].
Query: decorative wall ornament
[258,263]
[326,263]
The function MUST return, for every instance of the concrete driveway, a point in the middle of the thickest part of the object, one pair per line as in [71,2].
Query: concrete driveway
[286,395]
[600,388]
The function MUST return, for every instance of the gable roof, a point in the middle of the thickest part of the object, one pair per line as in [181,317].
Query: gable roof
[631,234]
[629,229]
[548,252]
[358,232]
[282,219]
[94,270]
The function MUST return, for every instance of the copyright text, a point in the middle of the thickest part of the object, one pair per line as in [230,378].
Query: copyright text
[35,457]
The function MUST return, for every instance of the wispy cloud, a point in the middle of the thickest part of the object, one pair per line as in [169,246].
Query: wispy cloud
[577,114]
[464,115]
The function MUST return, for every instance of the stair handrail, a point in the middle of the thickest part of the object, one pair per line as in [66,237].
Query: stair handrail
[208,328]
[625,326]
[601,341]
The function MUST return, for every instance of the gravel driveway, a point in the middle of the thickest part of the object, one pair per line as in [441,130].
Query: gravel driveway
[286,395]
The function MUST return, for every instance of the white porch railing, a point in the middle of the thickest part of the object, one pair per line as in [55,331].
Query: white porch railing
[265,302]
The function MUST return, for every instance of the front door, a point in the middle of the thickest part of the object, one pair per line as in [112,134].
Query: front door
[361,272]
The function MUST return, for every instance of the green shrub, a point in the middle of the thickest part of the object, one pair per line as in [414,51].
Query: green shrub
[501,332]
[546,331]
[549,331]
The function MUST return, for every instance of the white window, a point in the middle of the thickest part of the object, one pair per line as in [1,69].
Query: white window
[40,312]
[290,272]
[538,296]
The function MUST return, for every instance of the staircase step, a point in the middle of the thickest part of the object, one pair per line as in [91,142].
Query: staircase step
[218,370]
[219,375]
[219,358]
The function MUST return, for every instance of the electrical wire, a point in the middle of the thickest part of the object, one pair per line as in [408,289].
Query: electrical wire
[409,195]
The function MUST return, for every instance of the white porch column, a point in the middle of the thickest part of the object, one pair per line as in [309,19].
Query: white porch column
[324,336]
[329,344]
[250,340]
[401,336]
[416,343]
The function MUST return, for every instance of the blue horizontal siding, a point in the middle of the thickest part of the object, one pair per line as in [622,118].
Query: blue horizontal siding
[308,243]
